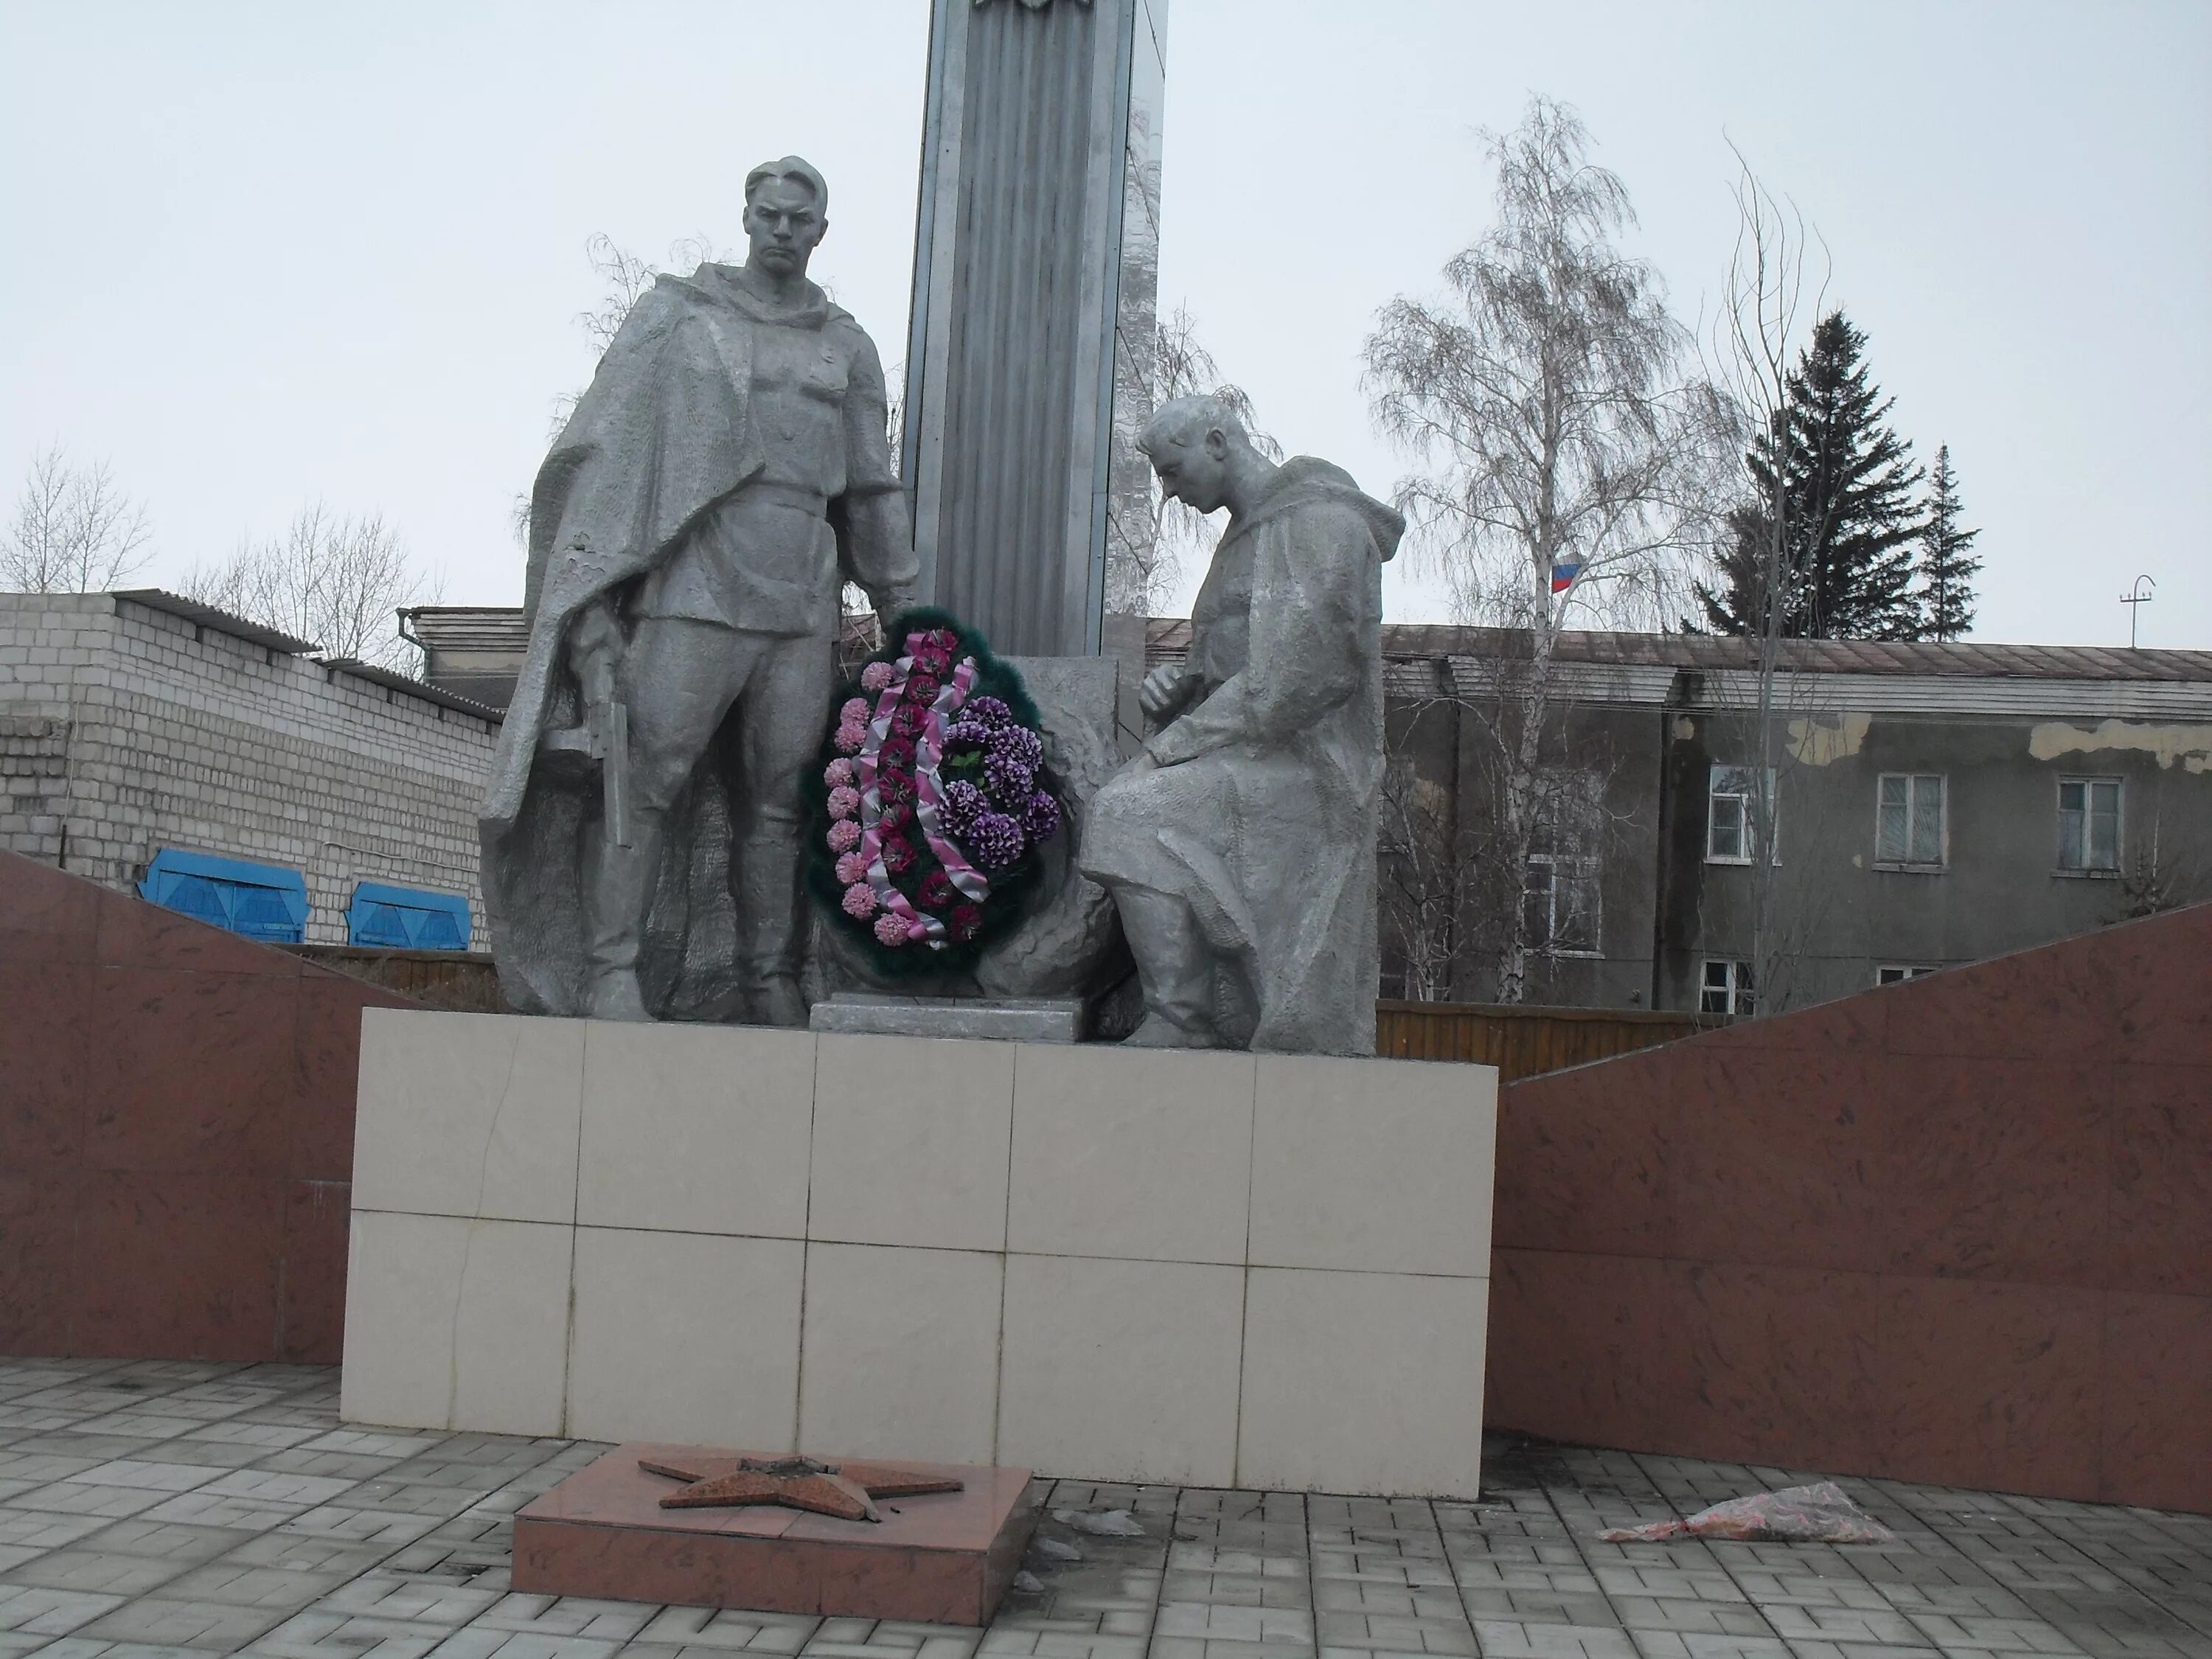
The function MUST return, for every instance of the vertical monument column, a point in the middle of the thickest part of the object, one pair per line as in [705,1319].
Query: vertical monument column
[1030,354]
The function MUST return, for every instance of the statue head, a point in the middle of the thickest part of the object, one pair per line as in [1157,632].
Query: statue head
[787,213]
[1199,447]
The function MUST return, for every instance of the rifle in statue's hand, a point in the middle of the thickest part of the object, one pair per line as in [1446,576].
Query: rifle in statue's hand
[603,737]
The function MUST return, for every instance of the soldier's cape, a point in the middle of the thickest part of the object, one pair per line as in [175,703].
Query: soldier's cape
[663,435]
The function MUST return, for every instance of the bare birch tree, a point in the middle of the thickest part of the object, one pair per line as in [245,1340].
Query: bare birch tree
[74,531]
[1566,461]
[332,578]
[1764,306]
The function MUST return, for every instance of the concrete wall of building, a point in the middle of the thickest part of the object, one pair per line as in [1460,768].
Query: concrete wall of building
[176,1132]
[1958,1231]
[1451,745]
[1839,916]
[124,730]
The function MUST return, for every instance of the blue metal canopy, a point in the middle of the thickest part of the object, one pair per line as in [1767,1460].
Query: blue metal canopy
[261,901]
[407,918]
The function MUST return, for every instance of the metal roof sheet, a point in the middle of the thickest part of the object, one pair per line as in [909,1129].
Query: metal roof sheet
[207,616]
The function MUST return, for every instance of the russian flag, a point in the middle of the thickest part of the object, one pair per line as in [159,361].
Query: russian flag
[1563,576]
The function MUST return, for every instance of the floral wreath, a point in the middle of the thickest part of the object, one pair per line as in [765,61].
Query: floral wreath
[931,801]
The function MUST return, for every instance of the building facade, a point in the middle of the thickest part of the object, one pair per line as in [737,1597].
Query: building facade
[132,723]
[1931,805]
[1928,805]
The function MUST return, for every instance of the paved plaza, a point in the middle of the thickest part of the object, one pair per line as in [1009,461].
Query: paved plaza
[160,1507]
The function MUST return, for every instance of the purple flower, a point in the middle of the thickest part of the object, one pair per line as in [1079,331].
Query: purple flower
[860,901]
[990,712]
[937,891]
[1042,821]
[838,773]
[994,841]
[875,676]
[844,835]
[891,928]
[844,801]
[852,867]
[1011,783]
[963,802]
[1018,744]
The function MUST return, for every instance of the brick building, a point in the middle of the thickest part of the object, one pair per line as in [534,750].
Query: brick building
[132,722]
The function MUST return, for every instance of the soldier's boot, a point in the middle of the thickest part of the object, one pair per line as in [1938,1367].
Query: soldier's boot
[614,918]
[1174,970]
[768,926]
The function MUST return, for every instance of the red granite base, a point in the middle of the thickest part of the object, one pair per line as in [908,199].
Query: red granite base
[946,1558]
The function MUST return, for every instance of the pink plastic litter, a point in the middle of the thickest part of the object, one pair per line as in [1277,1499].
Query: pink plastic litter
[1819,1514]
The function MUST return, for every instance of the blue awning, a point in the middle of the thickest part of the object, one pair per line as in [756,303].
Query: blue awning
[407,918]
[261,901]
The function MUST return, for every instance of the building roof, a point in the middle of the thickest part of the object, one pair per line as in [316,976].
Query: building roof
[413,688]
[469,627]
[1168,637]
[207,616]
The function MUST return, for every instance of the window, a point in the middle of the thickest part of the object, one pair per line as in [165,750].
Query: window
[1559,902]
[1732,813]
[2089,823]
[1726,988]
[1909,821]
[407,918]
[261,901]
[1899,972]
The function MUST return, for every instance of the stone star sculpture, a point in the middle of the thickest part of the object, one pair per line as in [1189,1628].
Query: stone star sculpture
[843,1490]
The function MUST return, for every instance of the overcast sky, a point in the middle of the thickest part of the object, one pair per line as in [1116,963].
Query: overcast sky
[257,255]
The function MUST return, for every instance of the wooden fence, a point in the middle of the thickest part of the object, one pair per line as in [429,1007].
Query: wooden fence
[1522,1041]
[463,981]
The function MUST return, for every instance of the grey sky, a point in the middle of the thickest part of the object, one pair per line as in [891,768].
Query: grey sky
[260,254]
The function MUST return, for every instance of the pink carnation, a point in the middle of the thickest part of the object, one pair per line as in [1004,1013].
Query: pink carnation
[844,835]
[844,801]
[860,901]
[838,773]
[875,676]
[854,713]
[852,867]
[849,738]
[890,929]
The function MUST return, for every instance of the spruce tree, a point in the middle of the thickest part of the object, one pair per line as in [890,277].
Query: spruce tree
[1947,570]
[1846,485]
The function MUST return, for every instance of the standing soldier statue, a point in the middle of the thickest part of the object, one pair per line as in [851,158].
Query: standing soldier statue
[726,472]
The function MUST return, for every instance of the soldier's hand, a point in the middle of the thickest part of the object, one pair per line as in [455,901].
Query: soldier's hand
[1165,691]
[595,635]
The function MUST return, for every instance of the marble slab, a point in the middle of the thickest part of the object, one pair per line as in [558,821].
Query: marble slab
[1014,1019]
[945,1557]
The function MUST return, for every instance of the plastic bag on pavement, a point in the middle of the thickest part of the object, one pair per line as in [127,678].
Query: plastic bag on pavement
[1819,1514]
[1111,1523]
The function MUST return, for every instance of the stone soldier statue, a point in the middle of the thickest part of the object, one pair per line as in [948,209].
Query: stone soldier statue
[689,531]
[1239,847]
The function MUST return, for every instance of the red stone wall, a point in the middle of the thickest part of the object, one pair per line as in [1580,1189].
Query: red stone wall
[176,1132]
[1955,1231]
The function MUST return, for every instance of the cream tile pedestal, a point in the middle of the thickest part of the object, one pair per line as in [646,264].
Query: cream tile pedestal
[1222,1270]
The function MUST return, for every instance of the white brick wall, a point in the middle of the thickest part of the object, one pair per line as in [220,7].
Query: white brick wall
[121,733]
